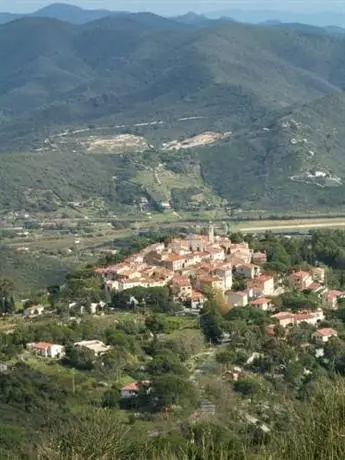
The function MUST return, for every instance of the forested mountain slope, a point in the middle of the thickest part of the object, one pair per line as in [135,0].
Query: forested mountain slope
[123,67]
[132,69]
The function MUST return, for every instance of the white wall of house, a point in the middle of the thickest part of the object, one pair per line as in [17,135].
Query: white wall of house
[236,300]
[126,394]
[56,351]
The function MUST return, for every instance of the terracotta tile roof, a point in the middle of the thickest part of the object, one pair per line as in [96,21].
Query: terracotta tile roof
[206,266]
[314,286]
[128,273]
[260,301]
[263,278]
[303,315]
[236,260]
[133,280]
[41,345]
[334,294]
[190,256]
[327,332]
[175,258]
[283,315]
[259,280]
[300,274]
[135,386]
[225,266]
[215,250]
[198,296]
[208,278]
[181,280]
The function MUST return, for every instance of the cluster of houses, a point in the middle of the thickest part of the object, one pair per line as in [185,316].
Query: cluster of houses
[53,350]
[312,281]
[192,267]
[286,319]
[315,281]
[74,307]
[56,351]
[196,265]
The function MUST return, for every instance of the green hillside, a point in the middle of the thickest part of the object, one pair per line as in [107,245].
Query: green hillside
[30,272]
[45,181]
[119,68]
[142,75]
[293,162]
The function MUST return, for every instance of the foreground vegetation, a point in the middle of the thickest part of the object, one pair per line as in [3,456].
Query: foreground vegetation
[71,407]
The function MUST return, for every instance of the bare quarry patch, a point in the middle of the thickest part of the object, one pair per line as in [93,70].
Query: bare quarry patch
[116,144]
[206,138]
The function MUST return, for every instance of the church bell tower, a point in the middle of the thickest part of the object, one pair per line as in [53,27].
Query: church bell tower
[211,233]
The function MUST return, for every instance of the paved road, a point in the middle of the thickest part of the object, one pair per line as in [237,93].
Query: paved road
[292,226]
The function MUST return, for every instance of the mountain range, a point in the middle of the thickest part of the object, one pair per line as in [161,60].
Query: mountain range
[137,69]
[76,15]
[256,16]
[63,12]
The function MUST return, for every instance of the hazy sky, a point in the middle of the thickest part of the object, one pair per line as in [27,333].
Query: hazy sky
[180,6]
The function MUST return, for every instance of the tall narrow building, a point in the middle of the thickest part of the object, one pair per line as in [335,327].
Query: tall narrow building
[211,233]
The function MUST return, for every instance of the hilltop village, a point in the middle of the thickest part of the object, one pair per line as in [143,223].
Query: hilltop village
[192,268]
[199,265]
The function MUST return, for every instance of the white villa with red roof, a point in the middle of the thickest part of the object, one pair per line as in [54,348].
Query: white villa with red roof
[323,335]
[132,389]
[197,300]
[262,285]
[46,349]
[263,303]
[332,297]
[286,318]
[300,280]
